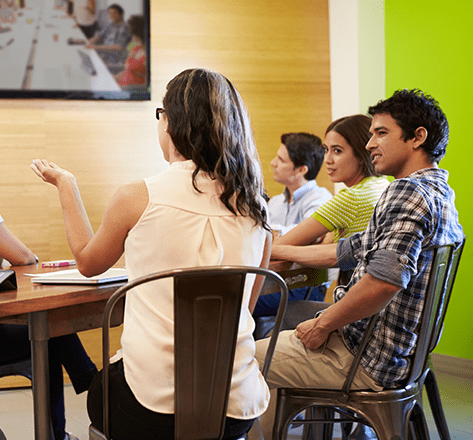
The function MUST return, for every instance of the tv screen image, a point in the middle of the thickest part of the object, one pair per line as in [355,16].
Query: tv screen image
[66,49]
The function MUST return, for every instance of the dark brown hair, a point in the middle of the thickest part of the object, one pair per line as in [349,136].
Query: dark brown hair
[305,149]
[412,109]
[209,124]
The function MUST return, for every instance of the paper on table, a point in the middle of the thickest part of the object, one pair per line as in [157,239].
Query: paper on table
[73,276]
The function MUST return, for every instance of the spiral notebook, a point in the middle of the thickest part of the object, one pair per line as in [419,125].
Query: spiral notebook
[73,276]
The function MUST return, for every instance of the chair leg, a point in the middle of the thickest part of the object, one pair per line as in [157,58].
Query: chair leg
[418,429]
[319,431]
[346,429]
[362,432]
[436,405]
[286,410]
[328,427]
[387,421]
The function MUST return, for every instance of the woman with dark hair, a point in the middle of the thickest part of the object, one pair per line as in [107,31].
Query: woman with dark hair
[135,71]
[347,161]
[206,209]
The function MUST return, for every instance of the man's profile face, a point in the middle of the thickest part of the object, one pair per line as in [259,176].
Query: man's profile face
[283,166]
[390,154]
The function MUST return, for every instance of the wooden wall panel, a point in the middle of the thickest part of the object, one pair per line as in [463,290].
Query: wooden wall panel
[275,52]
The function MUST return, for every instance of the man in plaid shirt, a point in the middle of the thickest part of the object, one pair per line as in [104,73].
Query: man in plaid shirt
[391,260]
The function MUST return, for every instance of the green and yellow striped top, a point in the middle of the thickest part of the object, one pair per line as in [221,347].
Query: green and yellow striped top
[350,210]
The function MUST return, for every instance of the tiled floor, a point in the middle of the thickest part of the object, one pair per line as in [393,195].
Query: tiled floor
[454,376]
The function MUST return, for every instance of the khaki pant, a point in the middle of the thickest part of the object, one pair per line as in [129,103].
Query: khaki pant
[295,366]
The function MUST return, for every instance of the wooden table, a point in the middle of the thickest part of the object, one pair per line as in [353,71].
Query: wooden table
[54,310]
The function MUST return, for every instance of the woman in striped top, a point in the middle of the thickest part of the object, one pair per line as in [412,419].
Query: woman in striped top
[347,161]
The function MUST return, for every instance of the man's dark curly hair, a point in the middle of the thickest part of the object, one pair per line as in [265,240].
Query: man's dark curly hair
[412,109]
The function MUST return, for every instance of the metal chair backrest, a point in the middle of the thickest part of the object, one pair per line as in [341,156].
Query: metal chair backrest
[444,268]
[207,305]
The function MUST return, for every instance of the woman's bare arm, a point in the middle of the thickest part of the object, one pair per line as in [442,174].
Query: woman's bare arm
[94,253]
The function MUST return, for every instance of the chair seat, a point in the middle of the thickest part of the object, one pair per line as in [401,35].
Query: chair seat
[333,397]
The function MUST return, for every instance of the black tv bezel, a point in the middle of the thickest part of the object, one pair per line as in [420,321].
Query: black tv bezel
[85,95]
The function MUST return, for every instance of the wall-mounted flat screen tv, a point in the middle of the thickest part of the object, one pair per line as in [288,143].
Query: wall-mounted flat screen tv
[75,49]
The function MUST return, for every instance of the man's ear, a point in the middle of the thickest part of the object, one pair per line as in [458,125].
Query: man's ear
[302,170]
[420,135]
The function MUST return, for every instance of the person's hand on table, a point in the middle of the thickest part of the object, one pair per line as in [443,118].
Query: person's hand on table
[311,334]
[50,172]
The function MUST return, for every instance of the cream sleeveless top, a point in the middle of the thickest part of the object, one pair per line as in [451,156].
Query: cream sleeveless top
[184,228]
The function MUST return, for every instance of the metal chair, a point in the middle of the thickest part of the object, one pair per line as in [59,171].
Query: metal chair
[207,304]
[394,414]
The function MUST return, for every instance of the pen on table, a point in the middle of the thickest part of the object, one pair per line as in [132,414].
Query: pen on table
[59,263]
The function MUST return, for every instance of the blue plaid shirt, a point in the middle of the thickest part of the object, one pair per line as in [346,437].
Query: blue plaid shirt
[413,214]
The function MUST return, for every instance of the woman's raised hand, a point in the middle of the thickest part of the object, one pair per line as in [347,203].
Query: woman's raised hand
[50,172]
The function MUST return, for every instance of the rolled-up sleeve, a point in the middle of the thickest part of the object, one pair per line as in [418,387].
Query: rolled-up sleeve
[346,256]
[389,266]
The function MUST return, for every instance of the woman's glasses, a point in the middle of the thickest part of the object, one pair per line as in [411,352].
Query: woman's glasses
[158,112]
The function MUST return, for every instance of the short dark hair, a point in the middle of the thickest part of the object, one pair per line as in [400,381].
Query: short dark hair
[118,8]
[356,131]
[412,109]
[137,26]
[305,149]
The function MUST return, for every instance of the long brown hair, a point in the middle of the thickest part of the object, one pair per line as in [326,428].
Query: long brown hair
[209,124]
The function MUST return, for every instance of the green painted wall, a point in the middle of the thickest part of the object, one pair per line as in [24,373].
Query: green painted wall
[429,45]
[371,53]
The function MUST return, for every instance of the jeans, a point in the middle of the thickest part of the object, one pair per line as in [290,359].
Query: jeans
[267,305]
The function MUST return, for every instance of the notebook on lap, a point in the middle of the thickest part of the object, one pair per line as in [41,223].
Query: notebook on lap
[73,276]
